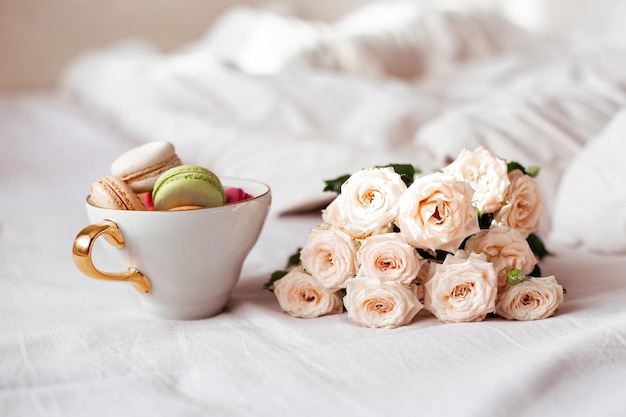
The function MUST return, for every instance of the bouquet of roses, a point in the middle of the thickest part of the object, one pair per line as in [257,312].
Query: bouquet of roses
[460,243]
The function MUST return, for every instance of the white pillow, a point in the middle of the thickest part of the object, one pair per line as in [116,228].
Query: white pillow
[590,205]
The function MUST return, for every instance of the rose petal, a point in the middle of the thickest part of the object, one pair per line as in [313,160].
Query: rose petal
[301,295]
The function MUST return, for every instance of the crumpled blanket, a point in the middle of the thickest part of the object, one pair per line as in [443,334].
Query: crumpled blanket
[293,102]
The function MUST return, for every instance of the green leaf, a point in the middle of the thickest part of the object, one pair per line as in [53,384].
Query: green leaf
[512,166]
[294,259]
[334,185]
[531,171]
[437,255]
[406,171]
[484,220]
[276,275]
[536,272]
[537,246]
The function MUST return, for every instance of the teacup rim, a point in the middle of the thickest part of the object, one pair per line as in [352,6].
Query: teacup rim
[202,209]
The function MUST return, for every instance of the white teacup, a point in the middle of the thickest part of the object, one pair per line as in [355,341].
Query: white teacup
[186,263]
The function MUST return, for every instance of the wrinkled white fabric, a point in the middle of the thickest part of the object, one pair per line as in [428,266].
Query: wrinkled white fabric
[73,346]
[407,40]
[400,38]
[274,100]
[261,126]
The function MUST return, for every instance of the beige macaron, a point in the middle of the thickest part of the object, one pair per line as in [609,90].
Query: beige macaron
[113,193]
[141,166]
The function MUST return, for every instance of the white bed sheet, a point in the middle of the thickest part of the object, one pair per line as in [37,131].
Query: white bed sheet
[72,346]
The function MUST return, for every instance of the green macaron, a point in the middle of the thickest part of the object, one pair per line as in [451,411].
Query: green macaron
[187,185]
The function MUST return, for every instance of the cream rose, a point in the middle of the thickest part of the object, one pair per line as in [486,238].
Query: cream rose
[374,303]
[506,248]
[388,257]
[329,255]
[533,299]
[486,173]
[461,289]
[301,295]
[436,212]
[367,203]
[523,205]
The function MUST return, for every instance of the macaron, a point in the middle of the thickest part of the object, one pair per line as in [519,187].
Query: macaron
[141,166]
[185,208]
[187,185]
[113,193]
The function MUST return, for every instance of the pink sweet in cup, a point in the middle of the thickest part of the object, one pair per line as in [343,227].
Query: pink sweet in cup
[234,194]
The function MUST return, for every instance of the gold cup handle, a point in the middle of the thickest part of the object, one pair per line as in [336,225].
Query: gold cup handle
[83,244]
